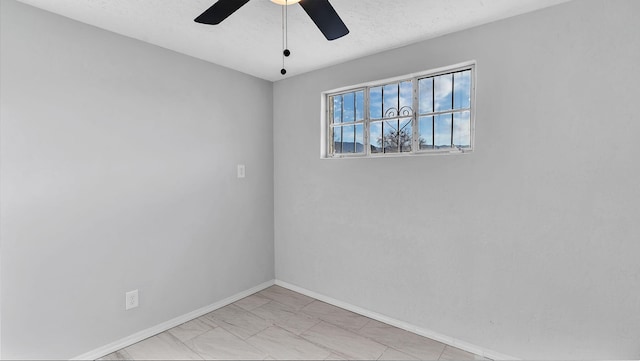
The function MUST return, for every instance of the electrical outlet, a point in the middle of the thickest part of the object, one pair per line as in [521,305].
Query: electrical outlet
[131,300]
[241,171]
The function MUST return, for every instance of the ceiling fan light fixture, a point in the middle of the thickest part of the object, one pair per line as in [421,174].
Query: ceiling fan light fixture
[285,2]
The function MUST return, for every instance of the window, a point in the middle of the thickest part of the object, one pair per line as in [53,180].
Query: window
[428,113]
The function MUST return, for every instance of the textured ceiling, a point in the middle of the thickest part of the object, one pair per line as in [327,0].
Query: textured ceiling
[250,40]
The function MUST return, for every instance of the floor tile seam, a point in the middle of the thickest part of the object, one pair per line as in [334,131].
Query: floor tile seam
[396,349]
[257,294]
[418,356]
[328,349]
[339,309]
[365,325]
[240,337]
[343,355]
[317,321]
[230,333]
[310,315]
[286,305]
[353,332]
[210,322]
[402,330]
[314,325]
[383,352]
[291,334]
[235,317]
[127,355]
[344,329]
[248,310]
[296,313]
[150,337]
[400,349]
[293,310]
[322,319]
[267,296]
[184,344]
[143,340]
[258,347]
[442,353]
[191,338]
[276,302]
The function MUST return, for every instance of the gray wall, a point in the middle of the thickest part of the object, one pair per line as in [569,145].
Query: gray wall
[529,245]
[119,172]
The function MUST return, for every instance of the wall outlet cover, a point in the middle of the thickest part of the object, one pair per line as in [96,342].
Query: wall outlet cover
[131,300]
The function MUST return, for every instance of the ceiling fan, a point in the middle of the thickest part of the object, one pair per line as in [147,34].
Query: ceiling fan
[320,11]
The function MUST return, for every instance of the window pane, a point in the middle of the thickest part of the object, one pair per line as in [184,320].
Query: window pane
[462,130]
[337,109]
[397,136]
[375,103]
[443,85]
[426,95]
[348,139]
[337,140]
[405,136]
[359,146]
[375,137]
[390,141]
[462,89]
[348,135]
[360,105]
[406,98]
[349,109]
[390,100]
[426,133]
[443,130]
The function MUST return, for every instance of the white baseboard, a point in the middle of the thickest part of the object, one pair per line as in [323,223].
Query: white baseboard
[152,331]
[401,324]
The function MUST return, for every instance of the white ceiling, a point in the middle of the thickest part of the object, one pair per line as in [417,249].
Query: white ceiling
[250,40]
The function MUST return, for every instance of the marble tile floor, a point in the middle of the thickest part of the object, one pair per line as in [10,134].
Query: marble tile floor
[279,324]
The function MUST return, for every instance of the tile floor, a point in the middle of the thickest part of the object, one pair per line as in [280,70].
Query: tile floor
[279,324]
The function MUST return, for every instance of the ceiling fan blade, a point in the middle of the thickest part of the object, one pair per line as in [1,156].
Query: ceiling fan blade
[325,17]
[220,11]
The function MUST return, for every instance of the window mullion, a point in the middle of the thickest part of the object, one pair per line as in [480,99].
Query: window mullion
[414,120]
[453,106]
[367,121]
[452,129]
[461,110]
[355,118]
[330,130]
[399,150]
[433,107]
[342,139]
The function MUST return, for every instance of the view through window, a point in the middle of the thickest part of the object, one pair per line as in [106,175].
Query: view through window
[429,113]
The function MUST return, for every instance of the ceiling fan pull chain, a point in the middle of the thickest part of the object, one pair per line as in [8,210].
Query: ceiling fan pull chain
[285,35]
[286,26]
[283,71]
